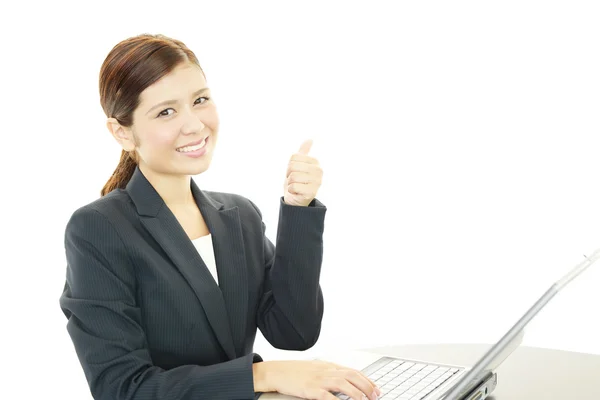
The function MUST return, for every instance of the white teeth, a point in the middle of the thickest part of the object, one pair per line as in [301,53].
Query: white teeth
[192,148]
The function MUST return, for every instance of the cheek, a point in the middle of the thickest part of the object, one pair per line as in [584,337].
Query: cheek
[165,139]
[159,141]
[211,118]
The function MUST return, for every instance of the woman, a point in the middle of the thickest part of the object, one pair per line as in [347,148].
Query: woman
[166,283]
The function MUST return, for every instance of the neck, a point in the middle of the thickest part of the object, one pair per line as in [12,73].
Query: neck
[175,190]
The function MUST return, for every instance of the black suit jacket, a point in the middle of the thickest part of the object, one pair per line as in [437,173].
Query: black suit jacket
[145,315]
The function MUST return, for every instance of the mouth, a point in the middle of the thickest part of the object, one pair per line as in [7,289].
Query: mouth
[194,146]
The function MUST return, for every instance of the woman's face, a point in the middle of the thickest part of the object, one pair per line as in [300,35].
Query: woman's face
[175,126]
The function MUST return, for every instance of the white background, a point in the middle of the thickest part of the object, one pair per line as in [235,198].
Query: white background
[459,142]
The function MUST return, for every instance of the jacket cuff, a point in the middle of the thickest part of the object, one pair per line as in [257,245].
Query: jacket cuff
[315,203]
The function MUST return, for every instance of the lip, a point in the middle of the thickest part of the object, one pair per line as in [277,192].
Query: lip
[193,143]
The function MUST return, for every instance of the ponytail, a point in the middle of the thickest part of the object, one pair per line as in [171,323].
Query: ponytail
[122,174]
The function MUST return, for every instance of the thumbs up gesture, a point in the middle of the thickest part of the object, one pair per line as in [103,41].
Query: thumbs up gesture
[303,177]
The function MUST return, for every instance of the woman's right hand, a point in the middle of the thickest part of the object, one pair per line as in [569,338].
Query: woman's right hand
[313,380]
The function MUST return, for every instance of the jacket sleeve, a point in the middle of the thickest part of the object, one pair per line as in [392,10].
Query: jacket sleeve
[104,324]
[291,309]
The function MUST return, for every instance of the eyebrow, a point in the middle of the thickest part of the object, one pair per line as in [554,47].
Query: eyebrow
[169,102]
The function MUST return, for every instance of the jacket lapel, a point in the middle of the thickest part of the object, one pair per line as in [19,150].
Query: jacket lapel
[230,257]
[225,307]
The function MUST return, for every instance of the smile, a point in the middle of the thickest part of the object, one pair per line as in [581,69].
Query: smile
[188,149]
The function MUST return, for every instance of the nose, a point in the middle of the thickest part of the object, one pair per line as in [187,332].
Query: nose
[191,123]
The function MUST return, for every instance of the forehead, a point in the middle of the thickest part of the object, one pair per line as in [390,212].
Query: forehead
[180,83]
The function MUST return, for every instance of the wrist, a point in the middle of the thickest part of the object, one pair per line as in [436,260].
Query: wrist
[261,375]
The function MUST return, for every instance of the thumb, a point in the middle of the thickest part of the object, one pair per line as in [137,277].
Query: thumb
[305,148]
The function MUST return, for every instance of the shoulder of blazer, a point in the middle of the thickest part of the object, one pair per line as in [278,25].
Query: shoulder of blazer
[101,216]
[113,206]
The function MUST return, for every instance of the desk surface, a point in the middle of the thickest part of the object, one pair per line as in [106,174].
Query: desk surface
[528,373]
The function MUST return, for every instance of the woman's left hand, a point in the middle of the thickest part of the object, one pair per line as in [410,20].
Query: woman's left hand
[303,177]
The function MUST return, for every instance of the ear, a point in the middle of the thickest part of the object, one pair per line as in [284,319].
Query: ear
[122,135]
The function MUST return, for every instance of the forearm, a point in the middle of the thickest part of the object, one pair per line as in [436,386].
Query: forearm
[291,309]
[296,268]
[231,380]
[126,373]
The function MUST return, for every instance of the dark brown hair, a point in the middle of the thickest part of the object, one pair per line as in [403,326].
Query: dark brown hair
[130,67]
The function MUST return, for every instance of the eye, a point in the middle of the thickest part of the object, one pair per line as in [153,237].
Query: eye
[164,113]
[206,99]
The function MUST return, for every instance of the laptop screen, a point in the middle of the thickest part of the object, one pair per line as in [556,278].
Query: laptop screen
[511,340]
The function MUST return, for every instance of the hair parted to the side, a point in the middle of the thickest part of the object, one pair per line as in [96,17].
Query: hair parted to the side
[130,67]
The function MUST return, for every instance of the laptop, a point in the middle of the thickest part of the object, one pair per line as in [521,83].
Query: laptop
[412,379]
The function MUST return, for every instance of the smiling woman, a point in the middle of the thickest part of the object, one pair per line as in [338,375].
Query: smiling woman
[167,284]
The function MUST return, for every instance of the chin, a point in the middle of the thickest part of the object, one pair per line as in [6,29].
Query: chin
[198,169]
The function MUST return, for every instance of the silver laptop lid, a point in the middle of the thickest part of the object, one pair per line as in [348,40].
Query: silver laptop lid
[510,341]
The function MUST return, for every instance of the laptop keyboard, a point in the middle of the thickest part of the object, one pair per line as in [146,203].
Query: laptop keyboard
[406,380]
